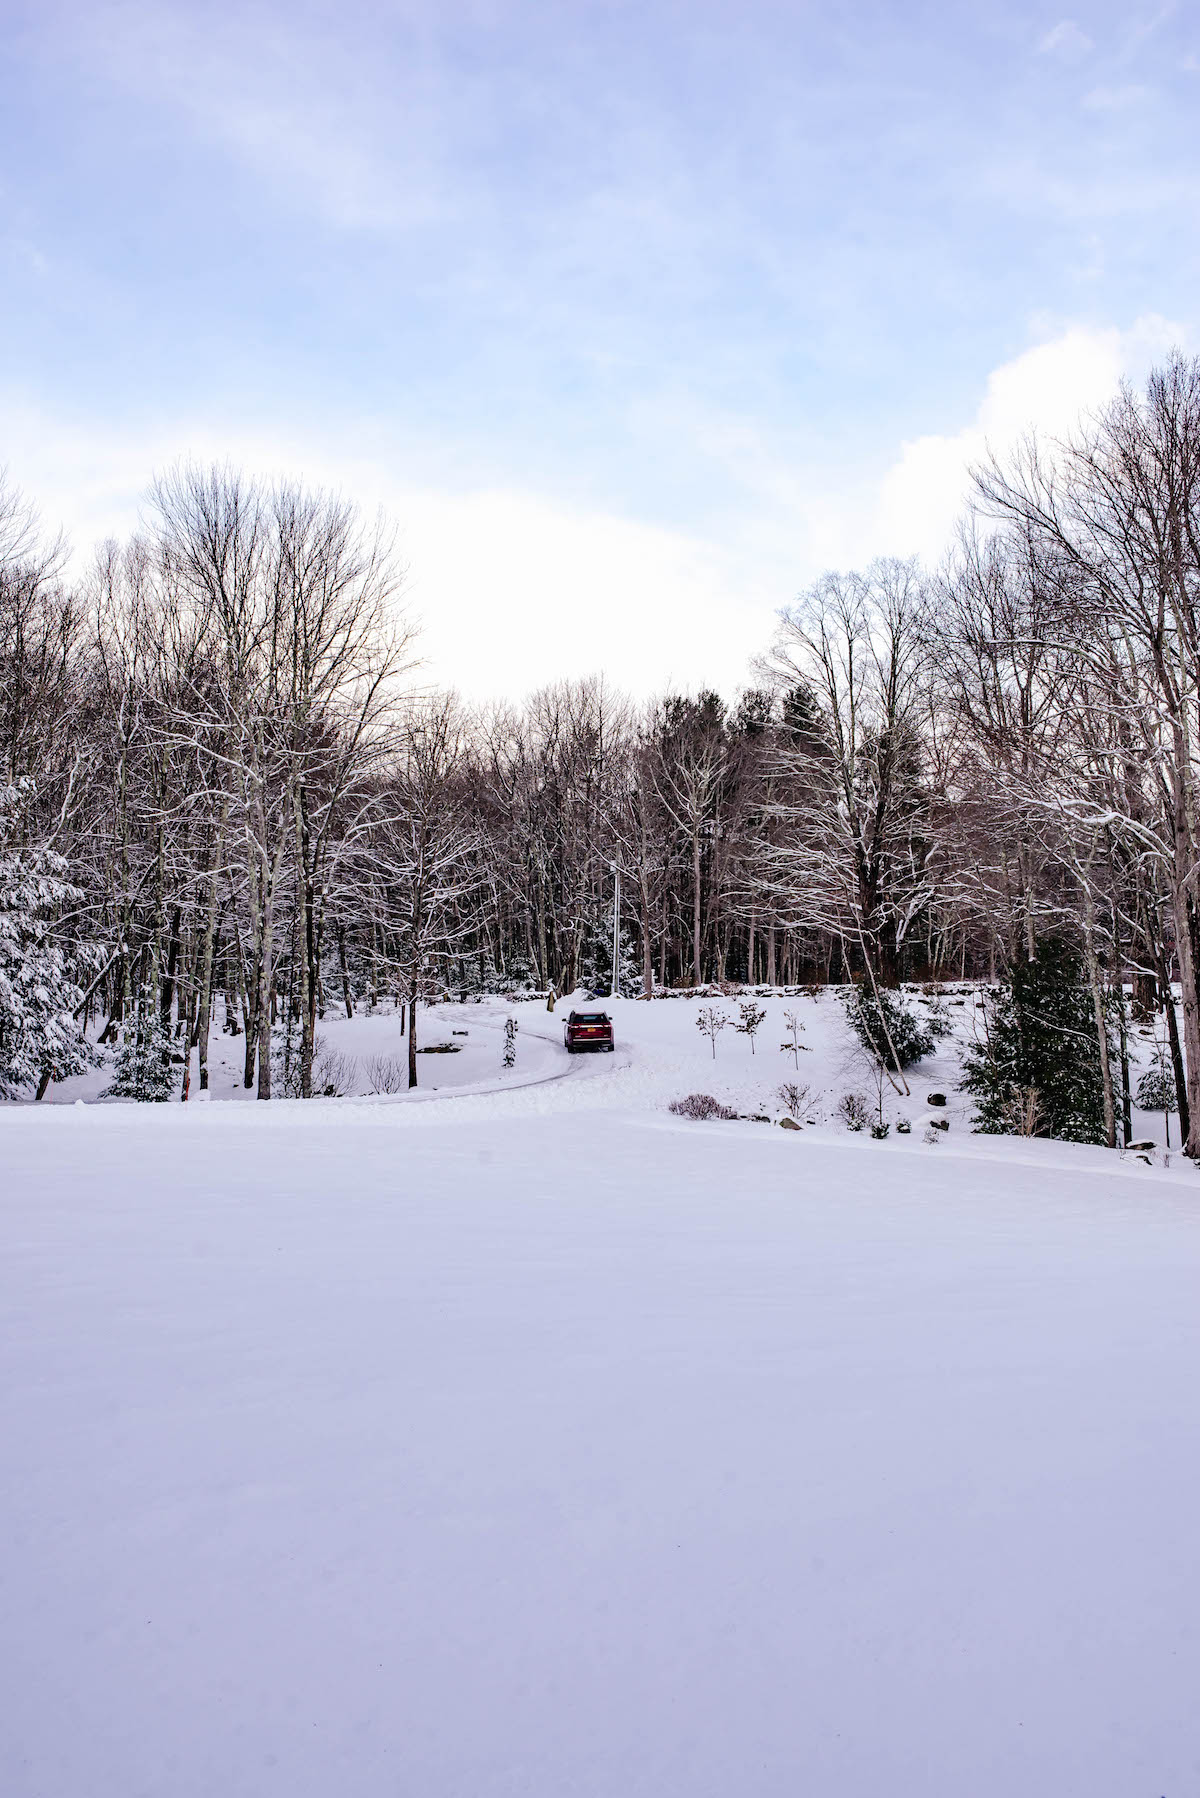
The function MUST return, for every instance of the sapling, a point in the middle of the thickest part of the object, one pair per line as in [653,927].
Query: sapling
[752,1017]
[1156,1089]
[795,1029]
[510,1043]
[710,1022]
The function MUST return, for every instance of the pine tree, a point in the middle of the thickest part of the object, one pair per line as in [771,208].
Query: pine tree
[889,1032]
[142,1069]
[1038,1071]
[1156,1089]
[39,1033]
[595,964]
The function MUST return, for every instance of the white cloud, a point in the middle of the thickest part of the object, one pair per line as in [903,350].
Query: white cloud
[1044,389]
[511,589]
[514,588]
[1065,39]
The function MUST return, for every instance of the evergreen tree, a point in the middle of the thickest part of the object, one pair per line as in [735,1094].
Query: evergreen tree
[596,959]
[39,1032]
[142,1069]
[1156,1089]
[886,1028]
[1038,1071]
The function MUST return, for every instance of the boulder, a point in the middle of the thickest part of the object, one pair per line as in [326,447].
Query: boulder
[1141,1145]
[939,1123]
[788,1124]
[936,1099]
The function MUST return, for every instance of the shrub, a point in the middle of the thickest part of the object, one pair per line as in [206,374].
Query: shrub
[854,1111]
[879,1131]
[886,1028]
[333,1073]
[700,1106]
[387,1073]
[793,1097]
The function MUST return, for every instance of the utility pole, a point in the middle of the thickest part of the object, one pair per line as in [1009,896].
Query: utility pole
[616,959]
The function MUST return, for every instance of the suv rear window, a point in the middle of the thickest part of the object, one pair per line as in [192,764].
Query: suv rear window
[590,1017]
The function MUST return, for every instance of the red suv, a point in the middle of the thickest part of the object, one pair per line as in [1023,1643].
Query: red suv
[588,1030]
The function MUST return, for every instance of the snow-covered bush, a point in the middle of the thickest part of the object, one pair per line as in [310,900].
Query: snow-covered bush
[334,1073]
[700,1106]
[387,1073]
[39,1033]
[894,1036]
[793,1097]
[510,1043]
[854,1111]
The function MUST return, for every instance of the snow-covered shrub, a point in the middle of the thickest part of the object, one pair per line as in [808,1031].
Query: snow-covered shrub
[894,1036]
[700,1106]
[39,1033]
[143,1069]
[387,1073]
[334,1074]
[879,1131]
[938,1022]
[793,1097]
[510,1043]
[854,1111]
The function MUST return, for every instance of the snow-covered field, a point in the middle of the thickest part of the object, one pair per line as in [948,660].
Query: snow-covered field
[530,1441]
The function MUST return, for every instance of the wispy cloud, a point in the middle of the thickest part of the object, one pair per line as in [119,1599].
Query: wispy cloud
[1066,39]
[288,99]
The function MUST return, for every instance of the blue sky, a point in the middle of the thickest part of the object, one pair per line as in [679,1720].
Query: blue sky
[634,316]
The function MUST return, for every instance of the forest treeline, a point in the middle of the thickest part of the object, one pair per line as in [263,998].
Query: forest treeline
[232,801]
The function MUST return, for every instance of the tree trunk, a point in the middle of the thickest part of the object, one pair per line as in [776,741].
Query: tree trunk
[1101,1022]
[695,908]
[206,953]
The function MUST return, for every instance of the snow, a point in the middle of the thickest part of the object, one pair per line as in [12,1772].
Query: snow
[529,1441]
